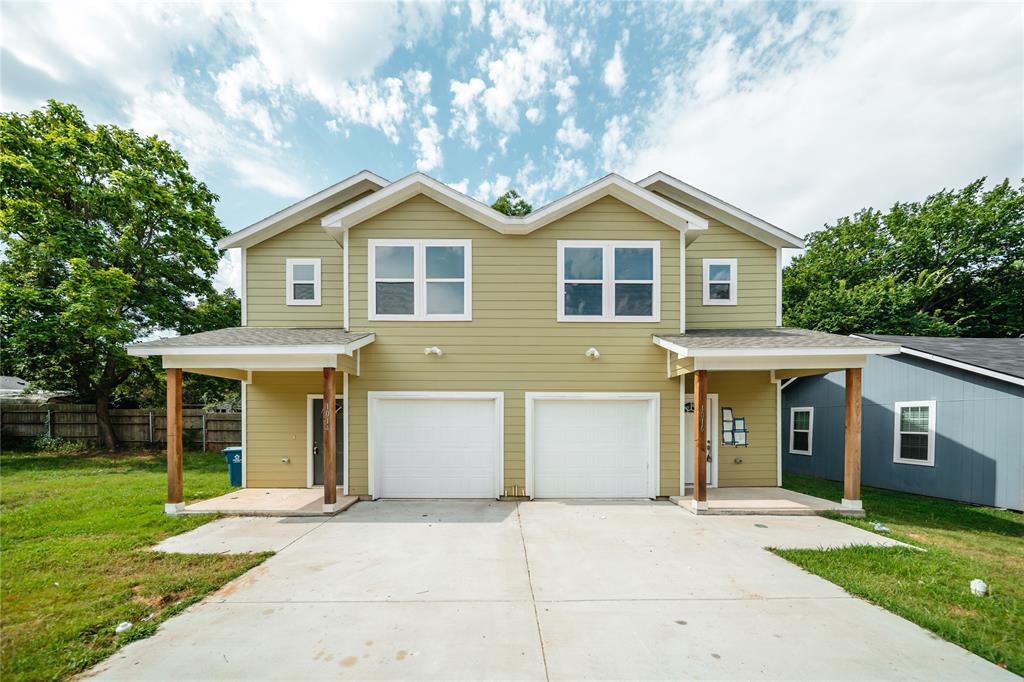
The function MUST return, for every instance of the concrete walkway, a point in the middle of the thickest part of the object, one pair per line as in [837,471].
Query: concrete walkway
[539,590]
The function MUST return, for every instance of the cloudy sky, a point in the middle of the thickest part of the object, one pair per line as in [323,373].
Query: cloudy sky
[799,113]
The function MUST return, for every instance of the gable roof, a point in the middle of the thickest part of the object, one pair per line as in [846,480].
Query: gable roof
[720,210]
[657,207]
[999,358]
[353,186]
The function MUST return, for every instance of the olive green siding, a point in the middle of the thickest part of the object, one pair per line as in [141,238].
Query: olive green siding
[276,427]
[751,395]
[514,343]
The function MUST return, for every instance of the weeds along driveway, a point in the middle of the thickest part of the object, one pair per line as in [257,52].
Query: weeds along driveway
[556,590]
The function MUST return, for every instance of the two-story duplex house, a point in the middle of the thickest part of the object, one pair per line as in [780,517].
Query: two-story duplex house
[596,348]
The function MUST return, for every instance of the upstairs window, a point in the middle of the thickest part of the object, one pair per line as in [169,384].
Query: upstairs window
[420,279]
[720,281]
[303,281]
[801,430]
[608,281]
[914,431]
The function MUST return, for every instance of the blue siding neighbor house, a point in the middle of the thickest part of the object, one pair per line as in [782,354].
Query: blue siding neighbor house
[944,417]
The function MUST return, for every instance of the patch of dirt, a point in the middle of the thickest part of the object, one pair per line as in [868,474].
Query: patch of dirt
[961,611]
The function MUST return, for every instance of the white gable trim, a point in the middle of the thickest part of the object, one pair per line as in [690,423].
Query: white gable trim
[720,210]
[304,210]
[615,186]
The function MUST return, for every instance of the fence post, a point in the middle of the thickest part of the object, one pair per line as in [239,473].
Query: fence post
[151,429]
[204,432]
[49,422]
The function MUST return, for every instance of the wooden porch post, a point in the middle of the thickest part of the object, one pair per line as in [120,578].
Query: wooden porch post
[700,439]
[330,442]
[851,475]
[175,500]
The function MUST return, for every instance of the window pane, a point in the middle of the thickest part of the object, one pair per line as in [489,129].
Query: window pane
[445,262]
[583,299]
[302,272]
[445,297]
[303,292]
[914,419]
[394,262]
[634,263]
[719,292]
[634,299]
[719,273]
[584,264]
[800,440]
[914,446]
[395,298]
[802,420]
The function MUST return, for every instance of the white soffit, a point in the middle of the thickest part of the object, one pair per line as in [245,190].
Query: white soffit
[615,186]
[665,184]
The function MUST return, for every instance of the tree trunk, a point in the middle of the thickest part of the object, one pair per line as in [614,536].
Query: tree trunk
[104,429]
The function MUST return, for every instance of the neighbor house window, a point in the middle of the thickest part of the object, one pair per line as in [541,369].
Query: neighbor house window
[914,441]
[719,281]
[420,279]
[608,281]
[303,281]
[801,429]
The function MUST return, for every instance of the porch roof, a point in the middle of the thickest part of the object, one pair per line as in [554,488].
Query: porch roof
[781,341]
[258,341]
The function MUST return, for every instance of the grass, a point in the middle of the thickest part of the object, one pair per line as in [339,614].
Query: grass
[75,529]
[931,588]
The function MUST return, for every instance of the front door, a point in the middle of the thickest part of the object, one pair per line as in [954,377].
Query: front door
[318,441]
[713,421]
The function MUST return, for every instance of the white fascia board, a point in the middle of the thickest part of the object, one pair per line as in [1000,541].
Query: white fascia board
[685,352]
[246,351]
[615,186]
[776,362]
[730,215]
[1009,378]
[265,362]
[303,210]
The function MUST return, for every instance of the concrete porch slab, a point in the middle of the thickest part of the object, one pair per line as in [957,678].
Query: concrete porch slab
[271,502]
[764,502]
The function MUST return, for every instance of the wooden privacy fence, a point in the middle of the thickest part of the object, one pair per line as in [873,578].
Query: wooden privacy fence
[201,430]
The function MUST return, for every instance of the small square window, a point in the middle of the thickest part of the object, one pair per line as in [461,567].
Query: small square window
[914,433]
[303,281]
[720,281]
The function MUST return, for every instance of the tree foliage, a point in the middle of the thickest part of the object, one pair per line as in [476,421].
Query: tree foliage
[107,238]
[952,265]
[510,203]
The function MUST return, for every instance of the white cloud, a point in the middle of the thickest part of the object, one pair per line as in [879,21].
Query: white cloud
[572,136]
[464,109]
[569,173]
[419,83]
[428,144]
[582,46]
[615,72]
[229,272]
[534,115]
[893,103]
[489,190]
[614,151]
[476,12]
[563,90]
[231,84]
[460,186]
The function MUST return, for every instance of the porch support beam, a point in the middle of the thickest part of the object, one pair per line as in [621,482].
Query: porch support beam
[851,474]
[330,442]
[175,499]
[700,440]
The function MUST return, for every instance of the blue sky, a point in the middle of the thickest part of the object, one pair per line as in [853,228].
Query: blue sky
[800,113]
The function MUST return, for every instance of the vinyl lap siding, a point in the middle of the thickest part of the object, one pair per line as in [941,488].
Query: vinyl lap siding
[514,343]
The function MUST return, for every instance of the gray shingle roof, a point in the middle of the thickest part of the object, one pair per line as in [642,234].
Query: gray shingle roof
[998,355]
[258,336]
[767,337]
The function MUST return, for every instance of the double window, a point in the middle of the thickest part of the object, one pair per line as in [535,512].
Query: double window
[719,281]
[914,433]
[801,430]
[303,281]
[608,281]
[418,279]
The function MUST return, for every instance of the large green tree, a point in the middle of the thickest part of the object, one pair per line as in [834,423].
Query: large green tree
[510,203]
[951,265]
[107,239]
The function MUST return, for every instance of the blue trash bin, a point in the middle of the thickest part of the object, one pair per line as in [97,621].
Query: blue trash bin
[233,456]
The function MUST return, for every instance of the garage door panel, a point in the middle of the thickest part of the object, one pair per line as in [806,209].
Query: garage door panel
[591,447]
[426,447]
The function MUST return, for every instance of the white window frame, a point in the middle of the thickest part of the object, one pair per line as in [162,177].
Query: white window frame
[420,280]
[289,264]
[608,280]
[810,430]
[733,279]
[896,440]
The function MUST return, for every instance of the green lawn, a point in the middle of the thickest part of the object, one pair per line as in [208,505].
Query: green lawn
[931,588]
[74,533]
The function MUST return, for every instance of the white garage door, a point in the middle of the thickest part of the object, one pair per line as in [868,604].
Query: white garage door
[601,445]
[435,444]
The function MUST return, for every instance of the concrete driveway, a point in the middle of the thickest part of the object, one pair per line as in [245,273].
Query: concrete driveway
[555,590]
